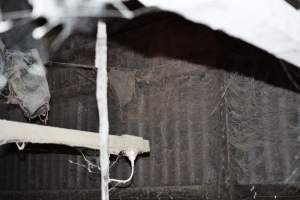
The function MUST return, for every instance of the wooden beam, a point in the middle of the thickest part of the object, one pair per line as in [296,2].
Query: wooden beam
[11,132]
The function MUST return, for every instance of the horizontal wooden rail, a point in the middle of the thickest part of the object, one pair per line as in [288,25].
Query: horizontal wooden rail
[11,132]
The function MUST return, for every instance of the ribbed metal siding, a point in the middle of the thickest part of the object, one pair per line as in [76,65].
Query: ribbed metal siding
[173,110]
[174,118]
[264,132]
[262,105]
[194,99]
[41,171]
[174,105]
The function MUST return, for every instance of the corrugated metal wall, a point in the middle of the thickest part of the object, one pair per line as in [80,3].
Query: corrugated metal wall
[217,112]
[263,117]
[183,137]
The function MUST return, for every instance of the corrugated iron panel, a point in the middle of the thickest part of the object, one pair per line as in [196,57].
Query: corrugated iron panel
[216,111]
[36,169]
[263,117]
[173,102]
[170,106]
[264,131]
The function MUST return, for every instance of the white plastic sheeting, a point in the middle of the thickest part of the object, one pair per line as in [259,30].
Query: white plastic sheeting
[272,25]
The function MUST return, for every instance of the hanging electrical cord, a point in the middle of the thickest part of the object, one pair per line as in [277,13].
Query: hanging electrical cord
[131,156]
[20,145]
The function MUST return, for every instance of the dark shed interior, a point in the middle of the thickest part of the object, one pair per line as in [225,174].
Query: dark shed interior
[221,116]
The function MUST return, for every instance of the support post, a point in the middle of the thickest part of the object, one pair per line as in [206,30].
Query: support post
[101,93]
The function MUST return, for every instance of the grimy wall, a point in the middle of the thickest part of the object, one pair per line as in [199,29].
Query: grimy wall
[220,114]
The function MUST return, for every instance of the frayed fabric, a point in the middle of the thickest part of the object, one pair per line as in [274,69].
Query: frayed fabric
[25,75]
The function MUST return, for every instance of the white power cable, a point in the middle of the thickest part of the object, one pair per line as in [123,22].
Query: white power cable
[131,156]
[20,145]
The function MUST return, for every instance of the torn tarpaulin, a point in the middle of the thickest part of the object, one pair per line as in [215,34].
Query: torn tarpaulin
[26,80]
[273,26]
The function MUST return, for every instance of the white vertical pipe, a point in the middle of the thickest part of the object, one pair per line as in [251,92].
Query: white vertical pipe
[101,93]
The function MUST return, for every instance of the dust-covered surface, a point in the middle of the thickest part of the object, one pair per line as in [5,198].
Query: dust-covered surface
[264,132]
[221,117]
[262,116]
[25,76]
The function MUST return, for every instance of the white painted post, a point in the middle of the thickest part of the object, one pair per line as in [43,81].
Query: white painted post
[101,93]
